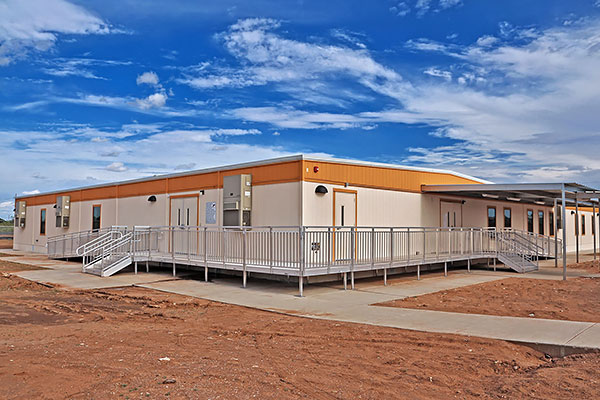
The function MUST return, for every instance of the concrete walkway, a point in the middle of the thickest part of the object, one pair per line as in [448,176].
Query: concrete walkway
[333,303]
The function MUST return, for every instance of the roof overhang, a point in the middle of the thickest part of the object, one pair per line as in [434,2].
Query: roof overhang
[526,193]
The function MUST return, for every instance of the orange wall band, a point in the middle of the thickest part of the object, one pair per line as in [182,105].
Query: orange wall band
[289,171]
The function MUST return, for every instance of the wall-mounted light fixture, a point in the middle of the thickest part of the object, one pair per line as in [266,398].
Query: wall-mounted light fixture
[513,199]
[321,190]
[202,192]
[491,196]
[152,199]
[572,212]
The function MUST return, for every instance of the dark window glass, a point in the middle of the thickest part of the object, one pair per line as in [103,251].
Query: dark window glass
[43,221]
[96,217]
[551,221]
[530,221]
[507,218]
[541,222]
[491,217]
[583,224]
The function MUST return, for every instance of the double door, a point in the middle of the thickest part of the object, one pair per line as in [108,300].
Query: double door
[184,214]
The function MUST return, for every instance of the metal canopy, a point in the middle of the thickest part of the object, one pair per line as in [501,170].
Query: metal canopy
[524,193]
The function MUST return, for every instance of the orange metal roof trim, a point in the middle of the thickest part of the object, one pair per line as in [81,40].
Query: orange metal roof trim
[333,172]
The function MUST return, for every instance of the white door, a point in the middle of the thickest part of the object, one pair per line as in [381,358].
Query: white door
[184,213]
[451,214]
[344,218]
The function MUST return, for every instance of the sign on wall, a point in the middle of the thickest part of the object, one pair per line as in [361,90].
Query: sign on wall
[211,212]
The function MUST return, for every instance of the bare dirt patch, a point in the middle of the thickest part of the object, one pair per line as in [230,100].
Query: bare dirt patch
[7,266]
[592,266]
[138,343]
[6,243]
[574,300]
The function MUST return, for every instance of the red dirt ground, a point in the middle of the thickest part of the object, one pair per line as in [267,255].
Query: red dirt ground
[6,244]
[576,299]
[56,343]
[592,266]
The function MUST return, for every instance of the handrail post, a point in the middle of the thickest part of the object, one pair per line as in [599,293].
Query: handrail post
[132,250]
[301,261]
[271,249]
[173,248]
[424,243]
[329,249]
[408,246]
[205,256]
[352,247]
[244,275]
[189,254]
[391,256]
[372,248]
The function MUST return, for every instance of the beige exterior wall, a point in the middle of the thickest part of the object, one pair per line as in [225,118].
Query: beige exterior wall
[292,204]
[277,204]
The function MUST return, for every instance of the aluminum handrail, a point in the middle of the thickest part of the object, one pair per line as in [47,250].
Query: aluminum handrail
[98,242]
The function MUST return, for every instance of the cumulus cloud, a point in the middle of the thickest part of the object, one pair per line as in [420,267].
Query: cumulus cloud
[29,192]
[156,100]
[117,166]
[27,25]
[147,78]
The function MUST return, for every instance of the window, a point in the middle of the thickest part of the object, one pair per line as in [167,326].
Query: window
[593,225]
[530,221]
[43,221]
[507,218]
[541,222]
[491,211]
[96,213]
[576,224]
[582,224]
[551,221]
[559,219]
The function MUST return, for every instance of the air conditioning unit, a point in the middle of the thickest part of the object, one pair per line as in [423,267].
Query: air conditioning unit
[63,211]
[237,200]
[20,214]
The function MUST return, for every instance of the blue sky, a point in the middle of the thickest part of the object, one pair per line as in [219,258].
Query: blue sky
[99,91]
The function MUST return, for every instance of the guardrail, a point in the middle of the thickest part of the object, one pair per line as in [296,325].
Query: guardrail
[303,251]
[65,246]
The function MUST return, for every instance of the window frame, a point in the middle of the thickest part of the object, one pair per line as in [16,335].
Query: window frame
[99,206]
[495,217]
[551,229]
[509,209]
[541,222]
[532,221]
[43,221]
[582,224]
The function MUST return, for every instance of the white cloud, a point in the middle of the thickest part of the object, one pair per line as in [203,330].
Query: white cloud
[401,9]
[143,150]
[117,166]
[447,75]
[422,6]
[449,3]
[36,25]
[156,100]
[28,192]
[148,78]
[267,57]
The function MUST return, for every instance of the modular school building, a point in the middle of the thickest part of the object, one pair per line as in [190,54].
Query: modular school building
[321,204]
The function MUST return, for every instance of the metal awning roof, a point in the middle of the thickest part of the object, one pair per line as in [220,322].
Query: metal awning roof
[528,193]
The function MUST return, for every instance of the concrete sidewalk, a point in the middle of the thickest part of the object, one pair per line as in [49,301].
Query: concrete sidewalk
[355,306]
[333,303]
